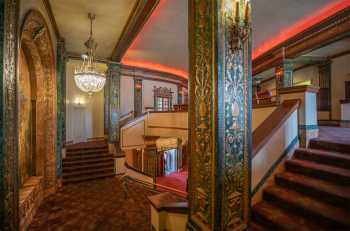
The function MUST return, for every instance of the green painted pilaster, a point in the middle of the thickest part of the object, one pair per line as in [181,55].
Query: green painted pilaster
[9,185]
[113,95]
[60,82]
[137,97]
[220,114]
[284,74]
[179,94]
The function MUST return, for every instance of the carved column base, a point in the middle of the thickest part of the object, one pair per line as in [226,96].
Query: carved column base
[306,133]
[112,148]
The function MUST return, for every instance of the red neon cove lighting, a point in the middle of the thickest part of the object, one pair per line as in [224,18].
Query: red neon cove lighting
[285,34]
[156,66]
[315,18]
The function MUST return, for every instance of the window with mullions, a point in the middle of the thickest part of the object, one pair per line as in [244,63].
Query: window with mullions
[162,99]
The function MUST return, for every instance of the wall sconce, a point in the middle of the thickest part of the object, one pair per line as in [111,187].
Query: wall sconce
[239,29]
[79,101]
[138,86]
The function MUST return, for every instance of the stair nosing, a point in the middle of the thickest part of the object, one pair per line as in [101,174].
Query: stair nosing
[322,211]
[89,171]
[318,166]
[92,177]
[305,224]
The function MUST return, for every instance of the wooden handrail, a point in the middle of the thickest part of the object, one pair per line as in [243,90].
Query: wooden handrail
[264,132]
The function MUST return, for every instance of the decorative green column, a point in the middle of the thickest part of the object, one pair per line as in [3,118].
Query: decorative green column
[284,74]
[179,94]
[60,82]
[220,114]
[9,214]
[112,90]
[137,97]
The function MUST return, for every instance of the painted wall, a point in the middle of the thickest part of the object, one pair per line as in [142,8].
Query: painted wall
[340,74]
[126,94]
[278,147]
[269,86]
[306,76]
[84,114]
[259,115]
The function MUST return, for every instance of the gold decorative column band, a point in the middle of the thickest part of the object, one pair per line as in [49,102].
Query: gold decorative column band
[220,114]
[9,214]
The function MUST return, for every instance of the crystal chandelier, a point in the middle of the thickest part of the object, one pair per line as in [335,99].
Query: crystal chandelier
[86,77]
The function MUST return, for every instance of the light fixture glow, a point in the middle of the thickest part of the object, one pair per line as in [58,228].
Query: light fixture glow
[86,77]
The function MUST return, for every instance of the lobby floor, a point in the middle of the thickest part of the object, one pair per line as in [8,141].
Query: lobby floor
[95,205]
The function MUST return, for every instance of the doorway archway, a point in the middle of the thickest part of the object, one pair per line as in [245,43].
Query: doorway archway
[37,102]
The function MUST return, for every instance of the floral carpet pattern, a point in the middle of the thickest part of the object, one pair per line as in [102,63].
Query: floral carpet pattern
[99,205]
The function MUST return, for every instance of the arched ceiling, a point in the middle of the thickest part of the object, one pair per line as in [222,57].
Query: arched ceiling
[163,42]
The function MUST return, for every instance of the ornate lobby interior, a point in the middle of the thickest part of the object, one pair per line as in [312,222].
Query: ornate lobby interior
[175,115]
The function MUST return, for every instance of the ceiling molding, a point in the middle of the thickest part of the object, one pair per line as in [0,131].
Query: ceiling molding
[330,30]
[167,75]
[52,18]
[76,56]
[137,19]
[340,54]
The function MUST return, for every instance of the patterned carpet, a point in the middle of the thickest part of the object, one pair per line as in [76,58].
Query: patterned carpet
[176,180]
[338,134]
[95,205]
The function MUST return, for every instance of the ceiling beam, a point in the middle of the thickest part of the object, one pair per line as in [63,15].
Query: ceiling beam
[137,19]
[49,11]
[330,30]
[340,54]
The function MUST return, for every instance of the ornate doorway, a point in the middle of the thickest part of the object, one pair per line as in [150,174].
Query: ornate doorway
[37,102]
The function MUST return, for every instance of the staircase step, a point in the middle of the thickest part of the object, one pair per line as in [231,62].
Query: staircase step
[327,172]
[309,207]
[81,157]
[257,227]
[276,219]
[87,161]
[325,157]
[87,152]
[76,173]
[87,166]
[335,194]
[324,144]
[87,177]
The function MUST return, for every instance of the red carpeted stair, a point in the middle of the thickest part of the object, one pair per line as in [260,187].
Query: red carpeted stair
[87,161]
[312,194]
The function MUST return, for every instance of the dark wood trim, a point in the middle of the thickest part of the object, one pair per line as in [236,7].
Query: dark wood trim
[76,56]
[183,81]
[169,202]
[161,76]
[344,101]
[296,89]
[52,18]
[168,127]
[340,54]
[271,104]
[160,79]
[329,30]
[138,17]
[136,170]
[265,131]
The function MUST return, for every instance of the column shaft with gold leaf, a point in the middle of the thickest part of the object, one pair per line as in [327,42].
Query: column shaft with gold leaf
[220,114]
